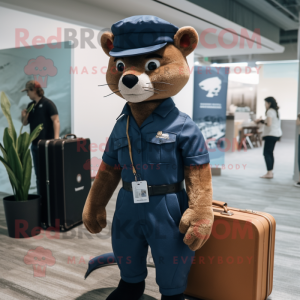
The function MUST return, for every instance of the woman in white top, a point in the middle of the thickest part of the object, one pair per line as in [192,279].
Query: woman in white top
[271,134]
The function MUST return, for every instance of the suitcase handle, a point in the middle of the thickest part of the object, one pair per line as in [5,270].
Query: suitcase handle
[219,203]
[70,134]
[224,206]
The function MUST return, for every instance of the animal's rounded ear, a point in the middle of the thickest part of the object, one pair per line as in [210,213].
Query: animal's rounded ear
[186,40]
[107,40]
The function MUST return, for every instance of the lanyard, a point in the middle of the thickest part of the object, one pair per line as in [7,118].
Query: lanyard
[130,152]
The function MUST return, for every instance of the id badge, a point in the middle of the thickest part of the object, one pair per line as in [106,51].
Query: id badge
[140,191]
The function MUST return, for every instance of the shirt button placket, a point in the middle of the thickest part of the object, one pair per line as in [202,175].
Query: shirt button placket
[140,156]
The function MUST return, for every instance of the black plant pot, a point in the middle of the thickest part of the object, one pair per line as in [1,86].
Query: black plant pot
[23,218]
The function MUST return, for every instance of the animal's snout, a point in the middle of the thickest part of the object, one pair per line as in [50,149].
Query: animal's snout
[130,80]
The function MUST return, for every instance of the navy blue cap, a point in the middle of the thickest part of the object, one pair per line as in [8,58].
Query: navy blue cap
[140,35]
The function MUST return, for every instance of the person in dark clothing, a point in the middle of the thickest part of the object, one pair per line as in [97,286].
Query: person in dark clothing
[271,134]
[44,112]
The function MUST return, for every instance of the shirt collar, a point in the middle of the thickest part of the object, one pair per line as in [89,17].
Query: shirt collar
[125,111]
[40,101]
[162,110]
[165,107]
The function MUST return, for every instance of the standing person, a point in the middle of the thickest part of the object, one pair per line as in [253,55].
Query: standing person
[44,112]
[298,127]
[271,134]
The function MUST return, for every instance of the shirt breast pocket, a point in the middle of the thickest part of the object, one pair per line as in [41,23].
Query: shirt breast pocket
[161,150]
[121,146]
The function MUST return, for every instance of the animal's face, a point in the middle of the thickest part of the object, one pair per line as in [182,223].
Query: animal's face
[157,75]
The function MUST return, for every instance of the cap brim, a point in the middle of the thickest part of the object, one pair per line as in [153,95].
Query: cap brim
[118,52]
[24,90]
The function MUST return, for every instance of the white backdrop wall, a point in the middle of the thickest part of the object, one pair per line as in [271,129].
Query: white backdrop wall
[94,115]
[184,100]
[280,81]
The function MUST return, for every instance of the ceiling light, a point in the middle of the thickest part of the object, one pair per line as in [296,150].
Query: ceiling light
[277,62]
[238,64]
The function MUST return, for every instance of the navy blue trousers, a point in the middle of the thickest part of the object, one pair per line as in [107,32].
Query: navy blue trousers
[137,226]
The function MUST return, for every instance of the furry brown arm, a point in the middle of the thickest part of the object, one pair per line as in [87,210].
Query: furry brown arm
[94,213]
[196,222]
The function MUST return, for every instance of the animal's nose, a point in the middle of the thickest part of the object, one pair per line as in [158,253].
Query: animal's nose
[130,80]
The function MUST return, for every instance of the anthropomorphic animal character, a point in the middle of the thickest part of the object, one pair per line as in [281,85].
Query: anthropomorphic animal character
[147,66]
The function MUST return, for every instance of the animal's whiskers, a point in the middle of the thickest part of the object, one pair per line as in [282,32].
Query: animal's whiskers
[151,91]
[107,84]
[154,88]
[160,82]
[112,93]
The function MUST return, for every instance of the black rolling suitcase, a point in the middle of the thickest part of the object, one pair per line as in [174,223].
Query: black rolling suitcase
[65,180]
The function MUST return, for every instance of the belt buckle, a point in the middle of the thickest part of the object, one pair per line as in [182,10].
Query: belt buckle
[149,189]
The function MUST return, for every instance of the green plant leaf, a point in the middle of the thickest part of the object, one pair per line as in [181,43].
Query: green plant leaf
[5,105]
[4,153]
[23,141]
[14,181]
[28,111]
[7,140]
[27,167]
[34,134]
[19,194]
[20,144]
[5,157]
[16,167]
[26,139]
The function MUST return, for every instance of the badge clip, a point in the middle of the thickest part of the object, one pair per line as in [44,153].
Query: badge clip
[137,177]
[161,135]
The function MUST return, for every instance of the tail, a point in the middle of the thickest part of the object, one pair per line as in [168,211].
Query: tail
[100,261]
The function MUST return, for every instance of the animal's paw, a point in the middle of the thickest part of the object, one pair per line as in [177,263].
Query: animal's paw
[196,227]
[94,220]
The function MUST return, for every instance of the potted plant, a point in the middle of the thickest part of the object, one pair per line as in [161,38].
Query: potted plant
[22,211]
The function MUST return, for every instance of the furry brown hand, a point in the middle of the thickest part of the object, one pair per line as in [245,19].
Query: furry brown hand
[94,213]
[196,222]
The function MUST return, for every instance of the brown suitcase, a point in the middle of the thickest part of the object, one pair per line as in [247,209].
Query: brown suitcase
[237,261]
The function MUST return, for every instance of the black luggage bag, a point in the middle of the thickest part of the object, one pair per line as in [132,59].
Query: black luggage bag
[65,180]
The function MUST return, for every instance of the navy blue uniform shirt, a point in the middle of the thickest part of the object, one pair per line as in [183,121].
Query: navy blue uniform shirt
[159,161]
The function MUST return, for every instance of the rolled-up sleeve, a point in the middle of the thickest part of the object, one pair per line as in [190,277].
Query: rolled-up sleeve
[192,144]
[110,155]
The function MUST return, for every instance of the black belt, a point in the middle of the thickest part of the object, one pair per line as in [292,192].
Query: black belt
[158,189]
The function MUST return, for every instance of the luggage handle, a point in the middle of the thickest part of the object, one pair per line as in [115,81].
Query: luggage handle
[224,206]
[70,134]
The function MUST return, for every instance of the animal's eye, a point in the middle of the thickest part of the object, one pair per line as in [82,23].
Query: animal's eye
[152,64]
[120,66]
[45,68]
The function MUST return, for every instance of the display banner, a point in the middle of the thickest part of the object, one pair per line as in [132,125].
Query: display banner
[209,113]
